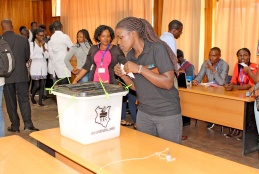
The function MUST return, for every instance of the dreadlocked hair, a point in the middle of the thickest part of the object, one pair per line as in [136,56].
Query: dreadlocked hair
[145,31]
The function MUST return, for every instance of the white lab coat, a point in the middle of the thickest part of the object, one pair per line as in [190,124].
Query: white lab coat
[58,48]
[38,64]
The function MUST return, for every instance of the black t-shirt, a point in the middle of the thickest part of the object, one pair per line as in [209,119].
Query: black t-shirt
[154,100]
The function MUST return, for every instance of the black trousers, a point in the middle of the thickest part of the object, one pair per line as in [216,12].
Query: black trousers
[61,82]
[12,91]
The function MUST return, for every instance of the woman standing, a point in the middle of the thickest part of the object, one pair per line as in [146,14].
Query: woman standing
[38,68]
[159,111]
[80,51]
[103,56]
[241,80]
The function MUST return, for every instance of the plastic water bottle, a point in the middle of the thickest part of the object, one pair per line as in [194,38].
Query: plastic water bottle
[189,81]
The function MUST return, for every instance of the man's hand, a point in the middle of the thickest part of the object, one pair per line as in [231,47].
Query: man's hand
[75,71]
[210,67]
[74,82]
[118,70]
[246,69]
[229,87]
[195,83]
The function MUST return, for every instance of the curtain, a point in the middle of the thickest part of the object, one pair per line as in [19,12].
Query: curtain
[189,12]
[237,26]
[82,14]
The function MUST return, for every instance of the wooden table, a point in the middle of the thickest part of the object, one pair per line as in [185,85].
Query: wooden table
[19,156]
[134,144]
[228,108]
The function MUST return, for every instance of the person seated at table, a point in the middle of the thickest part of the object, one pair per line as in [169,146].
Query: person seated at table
[188,69]
[185,65]
[241,81]
[216,70]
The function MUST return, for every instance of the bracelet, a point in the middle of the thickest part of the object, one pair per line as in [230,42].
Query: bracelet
[139,68]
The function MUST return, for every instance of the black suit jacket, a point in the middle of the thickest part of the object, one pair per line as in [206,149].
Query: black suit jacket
[21,51]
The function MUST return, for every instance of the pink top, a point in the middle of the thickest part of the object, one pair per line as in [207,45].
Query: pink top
[103,70]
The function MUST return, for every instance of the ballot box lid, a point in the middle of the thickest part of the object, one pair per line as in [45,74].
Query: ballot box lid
[88,89]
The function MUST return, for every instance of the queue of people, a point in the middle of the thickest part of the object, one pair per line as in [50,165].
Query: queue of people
[155,63]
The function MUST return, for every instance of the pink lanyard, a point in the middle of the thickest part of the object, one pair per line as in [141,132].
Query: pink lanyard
[242,76]
[104,54]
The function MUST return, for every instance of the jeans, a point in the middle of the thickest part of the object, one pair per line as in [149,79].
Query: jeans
[2,124]
[256,117]
[85,78]
[132,107]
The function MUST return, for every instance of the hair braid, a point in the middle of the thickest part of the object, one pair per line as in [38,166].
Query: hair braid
[145,31]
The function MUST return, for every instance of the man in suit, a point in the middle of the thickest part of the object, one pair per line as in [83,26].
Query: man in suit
[216,70]
[17,83]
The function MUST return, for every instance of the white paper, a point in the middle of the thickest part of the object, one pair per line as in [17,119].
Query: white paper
[130,74]
[243,64]
[209,84]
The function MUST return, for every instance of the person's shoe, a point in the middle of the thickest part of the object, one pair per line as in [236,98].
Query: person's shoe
[33,101]
[44,97]
[12,130]
[31,128]
[43,105]
[135,126]
[184,137]
[240,138]
[210,125]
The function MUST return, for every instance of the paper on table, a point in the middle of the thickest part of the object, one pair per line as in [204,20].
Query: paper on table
[130,74]
[205,84]
[209,84]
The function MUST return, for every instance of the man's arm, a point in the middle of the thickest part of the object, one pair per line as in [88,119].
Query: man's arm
[27,50]
[68,41]
[190,71]
[201,73]
[220,77]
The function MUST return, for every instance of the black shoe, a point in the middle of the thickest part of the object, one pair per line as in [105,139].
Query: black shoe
[31,128]
[44,97]
[33,101]
[210,125]
[43,105]
[12,130]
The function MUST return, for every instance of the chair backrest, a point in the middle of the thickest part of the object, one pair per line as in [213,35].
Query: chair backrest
[228,79]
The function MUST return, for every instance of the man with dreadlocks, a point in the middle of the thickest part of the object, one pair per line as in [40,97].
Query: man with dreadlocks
[150,59]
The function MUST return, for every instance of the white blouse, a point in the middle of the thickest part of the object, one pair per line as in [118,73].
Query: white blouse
[38,64]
